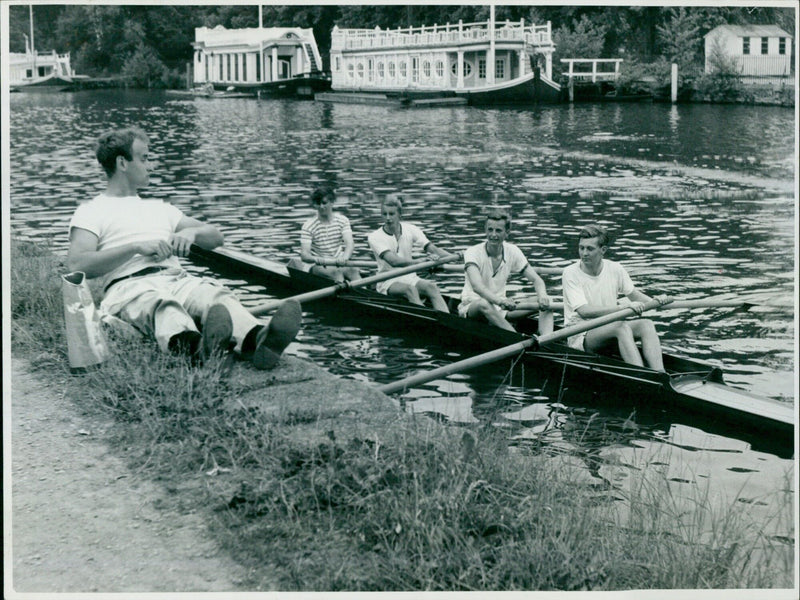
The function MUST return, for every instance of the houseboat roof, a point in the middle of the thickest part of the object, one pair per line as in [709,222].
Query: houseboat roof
[751,30]
[219,36]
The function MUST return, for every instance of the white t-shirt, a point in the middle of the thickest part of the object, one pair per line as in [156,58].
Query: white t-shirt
[513,262]
[580,288]
[117,221]
[411,237]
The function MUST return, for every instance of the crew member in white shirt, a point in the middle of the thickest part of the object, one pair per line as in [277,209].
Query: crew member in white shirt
[393,245]
[487,267]
[132,245]
[592,287]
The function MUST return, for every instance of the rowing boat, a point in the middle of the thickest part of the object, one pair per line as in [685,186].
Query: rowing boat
[689,386]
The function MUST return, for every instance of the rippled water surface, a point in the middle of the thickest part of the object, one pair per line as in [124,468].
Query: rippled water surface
[701,199]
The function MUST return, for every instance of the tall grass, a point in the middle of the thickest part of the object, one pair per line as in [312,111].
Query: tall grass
[307,505]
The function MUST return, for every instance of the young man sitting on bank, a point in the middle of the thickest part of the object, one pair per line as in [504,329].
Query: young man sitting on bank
[132,244]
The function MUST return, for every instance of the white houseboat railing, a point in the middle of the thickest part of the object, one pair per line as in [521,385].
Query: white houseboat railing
[449,34]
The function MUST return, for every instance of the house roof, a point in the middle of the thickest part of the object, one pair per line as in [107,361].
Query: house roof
[219,36]
[751,30]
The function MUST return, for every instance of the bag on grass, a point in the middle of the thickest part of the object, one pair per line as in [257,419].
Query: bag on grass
[86,343]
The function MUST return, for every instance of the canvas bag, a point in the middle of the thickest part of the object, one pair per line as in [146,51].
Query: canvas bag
[86,343]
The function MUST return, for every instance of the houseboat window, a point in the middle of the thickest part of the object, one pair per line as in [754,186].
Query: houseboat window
[338,66]
[782,45]
[29,73]
[380,70]
[228,56]
[439,69]
[244,67]
[414,69]
[467,68]
[403,68]
[361,70]
[391,70]
[500,68]
[369,69]
[764,45]
[350,71]
[258,68]
[426,68]
[208,68]
[236,67]
[482,68]
[746,45]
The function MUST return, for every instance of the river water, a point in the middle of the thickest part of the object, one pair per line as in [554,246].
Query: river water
[700,198]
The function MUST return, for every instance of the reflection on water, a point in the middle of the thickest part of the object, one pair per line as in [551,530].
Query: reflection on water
[698,202]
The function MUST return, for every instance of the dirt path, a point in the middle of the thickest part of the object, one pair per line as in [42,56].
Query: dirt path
[82,522]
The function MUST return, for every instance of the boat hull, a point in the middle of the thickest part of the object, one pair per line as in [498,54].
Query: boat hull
[688,388]
[297,87]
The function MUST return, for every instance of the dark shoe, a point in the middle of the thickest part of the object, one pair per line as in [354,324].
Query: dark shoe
[186,343]
[217,332]
[281,331]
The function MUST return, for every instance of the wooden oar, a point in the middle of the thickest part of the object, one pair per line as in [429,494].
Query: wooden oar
[268,307]
[508,351]
[455,268]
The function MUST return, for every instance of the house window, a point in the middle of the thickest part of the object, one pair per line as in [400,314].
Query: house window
[764,45]
[403,69]
[426,69]
[380,70]
[482,68]
[782,45]
[746,45]
[360,70]
[500,69]
[391,70]
[439,69]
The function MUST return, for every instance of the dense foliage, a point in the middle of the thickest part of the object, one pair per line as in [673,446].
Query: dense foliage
[150,43]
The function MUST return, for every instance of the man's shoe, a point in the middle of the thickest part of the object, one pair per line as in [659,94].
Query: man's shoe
[281,331]
[217,332]
[186,343]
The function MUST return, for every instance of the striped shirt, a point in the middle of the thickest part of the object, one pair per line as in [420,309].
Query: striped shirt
[327,239]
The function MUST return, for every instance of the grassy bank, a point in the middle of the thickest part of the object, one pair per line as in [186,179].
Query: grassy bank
[316,506]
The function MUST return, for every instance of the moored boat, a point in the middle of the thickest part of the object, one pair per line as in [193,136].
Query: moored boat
[486,62]
[270,61]
[689,387]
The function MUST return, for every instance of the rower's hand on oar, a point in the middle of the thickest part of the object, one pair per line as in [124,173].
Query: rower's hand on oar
[662,299]
[637,307]
[544,301]
[181,242]
[508,304]
[157,249]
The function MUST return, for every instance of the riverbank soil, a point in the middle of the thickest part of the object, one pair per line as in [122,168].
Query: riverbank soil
[82,521]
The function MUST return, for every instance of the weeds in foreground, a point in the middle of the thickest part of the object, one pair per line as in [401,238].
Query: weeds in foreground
[438,508]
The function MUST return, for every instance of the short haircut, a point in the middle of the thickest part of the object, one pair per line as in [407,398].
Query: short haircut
[395,201]
[595,231]
[322,192]
[117,142]
[495,213]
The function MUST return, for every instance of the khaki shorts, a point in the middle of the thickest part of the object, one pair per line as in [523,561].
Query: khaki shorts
[409,278]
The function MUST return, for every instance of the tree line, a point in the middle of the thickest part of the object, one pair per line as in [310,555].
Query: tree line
[151,44]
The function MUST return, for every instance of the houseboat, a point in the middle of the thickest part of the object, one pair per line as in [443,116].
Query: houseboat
[273,61]
[32,71]
[485,63]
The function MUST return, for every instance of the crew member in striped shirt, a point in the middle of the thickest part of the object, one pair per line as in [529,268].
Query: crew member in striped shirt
[326,241]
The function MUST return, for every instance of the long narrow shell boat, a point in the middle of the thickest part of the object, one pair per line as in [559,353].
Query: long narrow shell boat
[689,387]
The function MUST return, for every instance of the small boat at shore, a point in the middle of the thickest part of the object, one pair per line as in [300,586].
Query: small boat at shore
[690,387]
[208,91]
[485,63]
